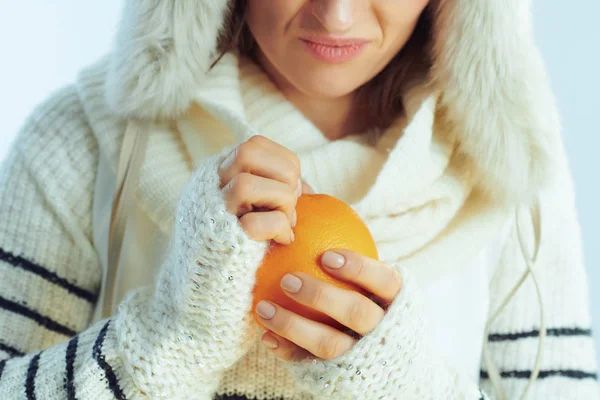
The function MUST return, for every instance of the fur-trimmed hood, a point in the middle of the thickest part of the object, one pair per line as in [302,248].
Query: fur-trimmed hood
[493,87]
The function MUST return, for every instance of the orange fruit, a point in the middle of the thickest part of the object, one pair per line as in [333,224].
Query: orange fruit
[323,223]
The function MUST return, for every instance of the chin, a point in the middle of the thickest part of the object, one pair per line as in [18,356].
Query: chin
[326,86]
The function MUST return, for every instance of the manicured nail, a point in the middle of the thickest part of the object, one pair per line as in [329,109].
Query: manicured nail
[270,342]
[292,236]
[299,188]
[333,260]
[291,283]
[294,219]
[265,309]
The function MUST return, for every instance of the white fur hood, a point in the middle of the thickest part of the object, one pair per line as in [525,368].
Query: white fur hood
[494,90]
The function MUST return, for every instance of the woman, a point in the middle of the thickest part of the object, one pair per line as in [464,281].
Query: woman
[432,119]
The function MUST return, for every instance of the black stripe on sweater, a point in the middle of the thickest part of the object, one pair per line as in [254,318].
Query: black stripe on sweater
[481,395]
[526,374]
[20,262]
[113,384]
[502,337]
[70,361]
[40,319]
[13,352]
[2,364]
[235,397]
[30,381]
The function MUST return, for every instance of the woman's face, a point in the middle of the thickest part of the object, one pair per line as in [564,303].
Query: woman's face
[329,48]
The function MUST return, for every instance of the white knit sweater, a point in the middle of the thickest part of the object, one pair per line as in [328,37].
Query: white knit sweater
[171,342]
[485,143]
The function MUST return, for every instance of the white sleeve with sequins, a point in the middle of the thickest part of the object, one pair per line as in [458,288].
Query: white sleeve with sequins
[394,361]
[176,340]
[170,341]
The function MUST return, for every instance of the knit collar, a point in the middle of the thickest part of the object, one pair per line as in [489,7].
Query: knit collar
[415,184]
[415,172]
[492,84]
[403,152]
[427,209]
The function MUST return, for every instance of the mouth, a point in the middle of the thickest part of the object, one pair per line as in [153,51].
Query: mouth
[334,50]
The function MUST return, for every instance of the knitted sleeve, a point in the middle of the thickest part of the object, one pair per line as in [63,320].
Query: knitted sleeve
[567,368]
[170,341]
[396,361]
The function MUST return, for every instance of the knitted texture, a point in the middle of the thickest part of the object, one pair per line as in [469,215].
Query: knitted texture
[206,282]
[191,333]
[393,361]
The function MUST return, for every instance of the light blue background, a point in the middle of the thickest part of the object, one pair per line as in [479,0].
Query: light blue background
[45,42]
[568,33]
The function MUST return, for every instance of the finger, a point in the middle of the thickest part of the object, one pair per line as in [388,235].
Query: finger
[283,348]
[277,148]
[306,188]
[372,275]
[255,159]
[267,225]
[348,307]
[319,339]
[247,192]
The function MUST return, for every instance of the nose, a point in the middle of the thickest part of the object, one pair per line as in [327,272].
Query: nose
[335,15]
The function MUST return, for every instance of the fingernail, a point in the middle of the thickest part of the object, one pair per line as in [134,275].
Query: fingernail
[333,260]
[270,342]
[294,219]
[299,188]
[292,236]
[265,309]
[291,283]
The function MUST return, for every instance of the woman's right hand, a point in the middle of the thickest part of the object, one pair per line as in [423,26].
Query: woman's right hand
[197,319]
[261,183]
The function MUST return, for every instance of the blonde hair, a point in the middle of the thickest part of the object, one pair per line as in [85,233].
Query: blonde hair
[381,97]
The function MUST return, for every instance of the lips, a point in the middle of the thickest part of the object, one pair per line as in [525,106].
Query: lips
[334,50]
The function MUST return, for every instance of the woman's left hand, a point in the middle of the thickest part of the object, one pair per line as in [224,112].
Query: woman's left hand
[292,337]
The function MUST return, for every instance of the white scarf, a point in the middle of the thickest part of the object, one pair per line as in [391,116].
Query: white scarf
[407,187]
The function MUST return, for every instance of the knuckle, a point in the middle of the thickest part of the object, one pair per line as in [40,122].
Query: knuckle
[296,160]
[245,153]
[359,314]
[319,297]
[279,227]
[392,282]
[257,139]
[291,175]
[328,347]
[287,354]
[361,268]
[241,185]
[281,220]
[286,326]
[291,199]
[249,224]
